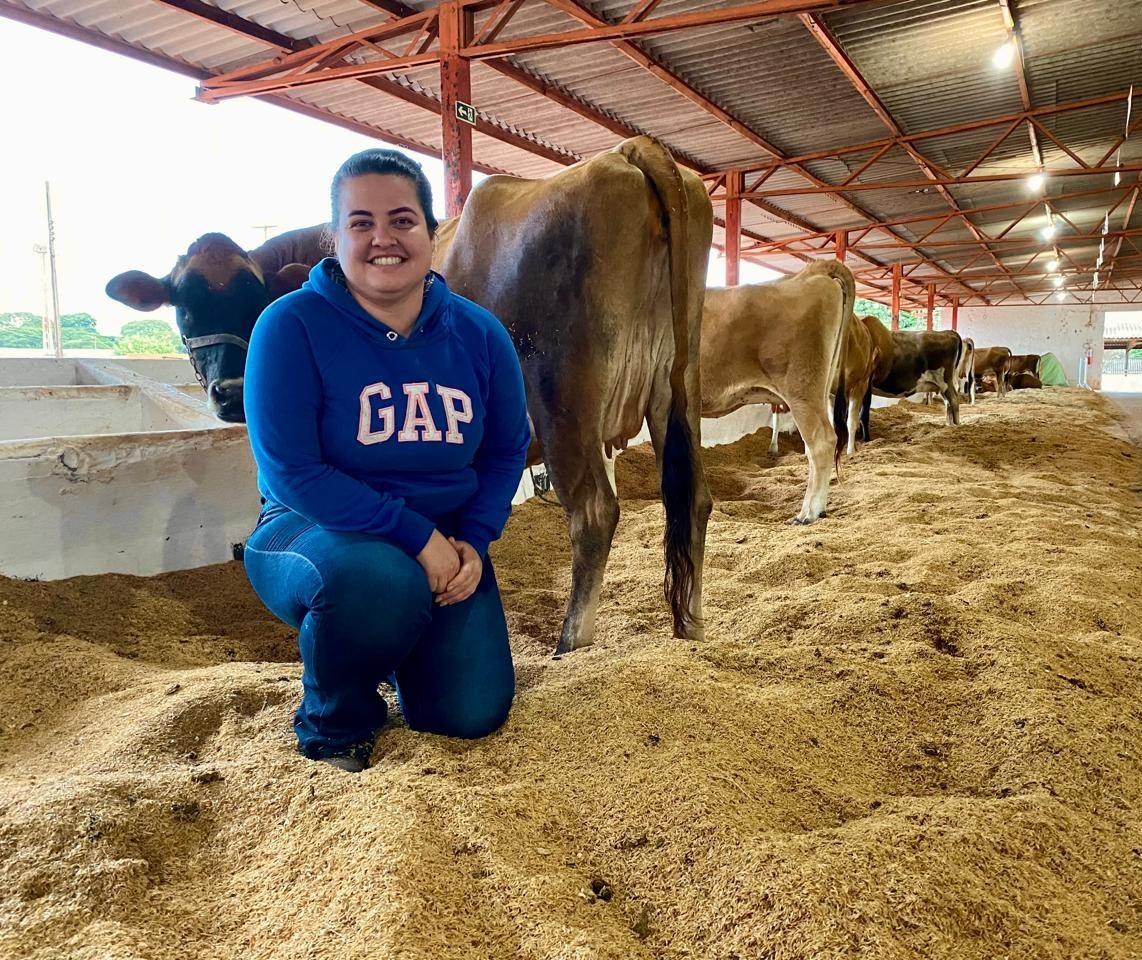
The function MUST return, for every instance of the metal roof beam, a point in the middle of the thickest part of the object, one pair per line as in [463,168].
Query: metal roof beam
[953,182]
[832,47]
[122,48]
[250,30]
[1013,119]
[575,8]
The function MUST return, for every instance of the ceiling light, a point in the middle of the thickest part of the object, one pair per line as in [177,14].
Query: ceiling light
[1048,231]
[1057,281]
[1061,295]
[1052,265]
[1035,181]
[1004,55]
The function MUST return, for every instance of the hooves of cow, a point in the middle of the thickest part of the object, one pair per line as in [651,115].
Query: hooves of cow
[805,521]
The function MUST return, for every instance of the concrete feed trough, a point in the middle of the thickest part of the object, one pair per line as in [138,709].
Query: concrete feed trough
[116,467]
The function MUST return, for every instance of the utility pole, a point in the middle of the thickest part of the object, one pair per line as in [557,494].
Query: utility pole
[265,228]
[44,330]
[51,323]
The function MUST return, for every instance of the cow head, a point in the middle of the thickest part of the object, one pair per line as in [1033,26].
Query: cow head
[217,291]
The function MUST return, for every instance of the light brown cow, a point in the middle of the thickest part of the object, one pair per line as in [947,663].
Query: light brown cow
[860,360]
[965,372]
[994,362]
[598,272]
[783,342]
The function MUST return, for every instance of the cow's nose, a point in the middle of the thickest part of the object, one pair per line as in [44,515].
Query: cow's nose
[226,398]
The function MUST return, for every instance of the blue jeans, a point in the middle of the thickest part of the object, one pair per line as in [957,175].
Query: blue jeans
[364,614]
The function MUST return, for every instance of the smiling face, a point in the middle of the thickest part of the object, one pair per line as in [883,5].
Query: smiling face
[383,242]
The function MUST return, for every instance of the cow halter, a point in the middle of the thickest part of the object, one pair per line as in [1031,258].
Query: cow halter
[194,343]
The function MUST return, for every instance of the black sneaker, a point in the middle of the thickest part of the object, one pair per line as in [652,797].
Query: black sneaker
[348,762]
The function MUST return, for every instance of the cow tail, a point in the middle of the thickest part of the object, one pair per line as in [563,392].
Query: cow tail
[844,276]
[679,464]
[840,421]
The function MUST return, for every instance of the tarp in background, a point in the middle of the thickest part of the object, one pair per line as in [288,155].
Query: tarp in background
[1051,371]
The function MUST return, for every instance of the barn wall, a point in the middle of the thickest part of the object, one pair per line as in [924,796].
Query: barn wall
[1064,330]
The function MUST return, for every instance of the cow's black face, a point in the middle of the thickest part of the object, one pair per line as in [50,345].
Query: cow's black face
[205,310]
[218,291]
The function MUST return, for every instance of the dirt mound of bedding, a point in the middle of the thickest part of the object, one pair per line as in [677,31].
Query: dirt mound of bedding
[914,730]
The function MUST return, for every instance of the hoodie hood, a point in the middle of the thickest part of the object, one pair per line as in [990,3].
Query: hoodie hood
[327,280]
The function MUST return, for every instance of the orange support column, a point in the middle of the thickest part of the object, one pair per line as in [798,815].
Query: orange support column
[733,227]
[931,304]
[455,88]
[955,313]
[897,275]
[841,244]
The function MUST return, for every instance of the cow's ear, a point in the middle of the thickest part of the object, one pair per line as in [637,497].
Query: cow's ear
[288,278]
[140,290]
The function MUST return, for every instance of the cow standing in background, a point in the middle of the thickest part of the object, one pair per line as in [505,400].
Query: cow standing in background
[783,343]
[860,361]
[598,272]
[1023,363]
[965,372]
[917,362]
[994,362]
[218,290]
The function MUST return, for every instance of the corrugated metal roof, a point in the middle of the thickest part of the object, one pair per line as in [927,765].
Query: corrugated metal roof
[928,61]
[1123,326]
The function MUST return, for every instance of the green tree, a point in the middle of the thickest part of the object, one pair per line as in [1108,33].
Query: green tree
[148,336]
[23,331]
[908,321]
[78,331]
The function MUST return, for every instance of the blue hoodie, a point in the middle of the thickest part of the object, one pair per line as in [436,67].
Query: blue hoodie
[357,428]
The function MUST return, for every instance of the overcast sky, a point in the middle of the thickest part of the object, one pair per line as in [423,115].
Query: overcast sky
[138,170]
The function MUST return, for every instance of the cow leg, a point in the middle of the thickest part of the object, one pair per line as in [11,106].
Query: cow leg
[855,402]
[865,409]
[609,466]
[773,425]
[820,442]
[952,403]
[579,476]
[701,503]
[971,388]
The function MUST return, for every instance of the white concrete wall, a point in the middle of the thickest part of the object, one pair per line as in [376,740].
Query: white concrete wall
[73,411]
[1063,329]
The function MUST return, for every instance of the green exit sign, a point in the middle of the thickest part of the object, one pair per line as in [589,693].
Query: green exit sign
[466,112]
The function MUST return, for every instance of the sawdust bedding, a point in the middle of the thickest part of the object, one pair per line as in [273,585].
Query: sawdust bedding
[912,731]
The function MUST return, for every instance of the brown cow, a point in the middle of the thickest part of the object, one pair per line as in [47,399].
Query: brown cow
[914,362]
[783,342]
[598,272]
[1023,363]
[994,362]
[1025,381]
[965,373]
[218,290]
